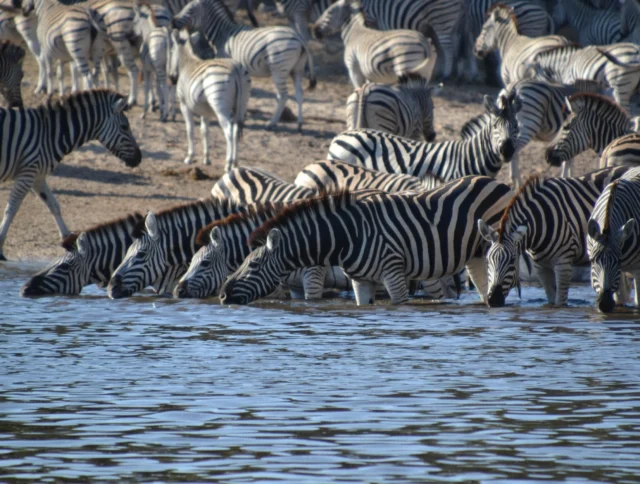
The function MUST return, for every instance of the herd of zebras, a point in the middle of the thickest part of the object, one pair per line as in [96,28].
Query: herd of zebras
[390,210]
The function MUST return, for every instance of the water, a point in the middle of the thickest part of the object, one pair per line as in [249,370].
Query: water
[152,389]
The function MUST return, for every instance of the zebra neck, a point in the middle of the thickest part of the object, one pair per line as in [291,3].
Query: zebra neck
[607,130]
[220,30]
[506,38]
[70,128]
[478,150]
[354,26]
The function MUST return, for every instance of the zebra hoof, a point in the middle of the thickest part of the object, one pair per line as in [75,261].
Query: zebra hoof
[2,258]
[188,160]
[206,162]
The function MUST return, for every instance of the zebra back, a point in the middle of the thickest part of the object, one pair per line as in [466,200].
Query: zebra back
[622,151]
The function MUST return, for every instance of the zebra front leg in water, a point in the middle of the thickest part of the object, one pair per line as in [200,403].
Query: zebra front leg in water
[313,281]
[563,272]
[477,270]
[18,192]
[43,191]
[395,282]
[365,292]
[548,280]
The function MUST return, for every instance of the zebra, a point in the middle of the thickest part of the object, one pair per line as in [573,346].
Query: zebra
[543,111]
[500,32]
[91,257]
[207,87]
[303,12]
[331,176]
[68,33]
[405,109]
[11,73]
[483,154]
[42,136]
[594,25]
[174,7]
[533,21]
[624,150]
[246,185]
[387,238]
[614,237]
[607,64]
[374,55]
[16,27]
[547,219]
[267,51]
[593,121]
[154,51]
[630,22]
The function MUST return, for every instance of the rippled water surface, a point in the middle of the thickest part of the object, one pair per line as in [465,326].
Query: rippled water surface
[154,389]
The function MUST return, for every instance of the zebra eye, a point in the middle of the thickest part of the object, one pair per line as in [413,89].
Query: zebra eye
[254,264]
[64,266]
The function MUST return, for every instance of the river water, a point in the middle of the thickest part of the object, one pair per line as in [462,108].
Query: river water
[152,389]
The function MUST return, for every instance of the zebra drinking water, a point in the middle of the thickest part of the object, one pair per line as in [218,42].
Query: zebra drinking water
[614,239]
[387,238]
[405,109]
[374,55]
[11,73]
[219,87]
[547,219]
[268,51]
[91,258]
[42,136]
[483,154]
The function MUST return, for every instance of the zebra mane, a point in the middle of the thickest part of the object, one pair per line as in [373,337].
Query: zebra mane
[508,8]
[220,7]
[530,184]
[71,100]
[599,99]
[128,223]
[11,52]
[329,201]
[606,225]
[252,211]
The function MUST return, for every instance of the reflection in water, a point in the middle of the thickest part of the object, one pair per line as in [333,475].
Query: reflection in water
[150,388]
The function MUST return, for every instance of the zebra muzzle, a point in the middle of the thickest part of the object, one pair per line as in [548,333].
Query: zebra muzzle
[496,297]
[116,290]
[33,288]
[552,157]
[507,150]
[606,303]
[182,290]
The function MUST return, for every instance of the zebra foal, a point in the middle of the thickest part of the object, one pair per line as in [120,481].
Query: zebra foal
[269,51]
[91,257]
[482,154]
[11,73]
[42,136]
[374,55]
[405,109]
[614,239]
[208,88]
[547,219]
[386,238]
[622,151]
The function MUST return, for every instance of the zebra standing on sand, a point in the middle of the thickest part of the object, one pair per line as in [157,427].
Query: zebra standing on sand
[42,136]
[387,238]
[614,239]
[11,73]
[375,55]
[500,32]
[219,87]
[483,154]
[405,109]
[91,257]
[268,51]
[548,220]
[593,122]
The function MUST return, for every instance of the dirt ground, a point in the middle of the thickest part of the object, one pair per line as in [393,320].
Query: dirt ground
[93,186]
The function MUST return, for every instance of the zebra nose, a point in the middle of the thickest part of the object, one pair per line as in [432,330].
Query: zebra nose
[317,33]
[182,290]
[496,297]
[507,149]
[174,80]
[552,157]
[430,137]
[226,290]
[32,288]
[606,304]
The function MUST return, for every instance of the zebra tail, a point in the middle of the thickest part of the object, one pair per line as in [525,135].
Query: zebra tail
[430,33]
[617,61]
[312,72]
[97,22]
[241,101]
[360,119]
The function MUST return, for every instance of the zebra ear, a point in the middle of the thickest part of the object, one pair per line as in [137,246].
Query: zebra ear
[151,225]
[519,233]
[567,104]
[82,243]
[593,229]
[486,232]
[627,230]
[215,236]
[489,104]
[273,239]
[120,106]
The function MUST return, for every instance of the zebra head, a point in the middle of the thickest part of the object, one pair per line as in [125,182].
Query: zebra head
[67,275]
[191,17]
[26,6]
[605,250]
[207,272]
[115,132]
[502,261]
[500,21]
[11,73]
[145,262]
[259,274]
[504,125]
[334,17]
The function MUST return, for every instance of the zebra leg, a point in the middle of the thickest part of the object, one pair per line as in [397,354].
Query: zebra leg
[146,88]
[75,83]
[297,80]
[547,278]
[60,76]
[478,273]
[365,291]
[228,130]
[204,131]
[563,273]
[566,168]
[636,282]
[188,121]
[162,92]
[43,191]
[395,282]
[172,101]
[18,192]
[515,172]
[281,95]
[313,281]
